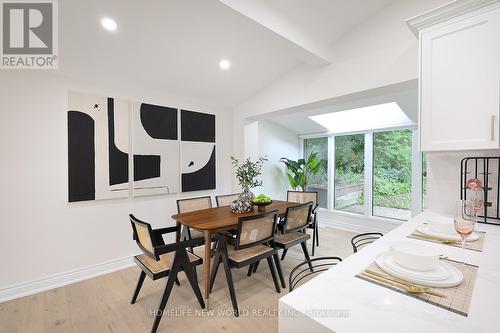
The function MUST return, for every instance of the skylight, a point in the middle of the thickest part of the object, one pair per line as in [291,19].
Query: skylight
[362,119]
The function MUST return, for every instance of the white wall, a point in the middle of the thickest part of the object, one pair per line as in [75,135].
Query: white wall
[380,52]
[276,142]
[41,234]
[443,178]
[266,138]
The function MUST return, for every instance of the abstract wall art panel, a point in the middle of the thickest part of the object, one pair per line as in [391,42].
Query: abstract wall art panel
[98,147]
[118,147]
[155,146]
[197,151]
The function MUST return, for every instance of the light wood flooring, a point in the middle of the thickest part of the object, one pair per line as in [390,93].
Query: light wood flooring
[102,304]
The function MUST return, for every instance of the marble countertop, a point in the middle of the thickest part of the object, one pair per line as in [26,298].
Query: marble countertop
[337,301]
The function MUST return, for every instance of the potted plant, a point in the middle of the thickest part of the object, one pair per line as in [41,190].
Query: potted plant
[300,171]
[247,174]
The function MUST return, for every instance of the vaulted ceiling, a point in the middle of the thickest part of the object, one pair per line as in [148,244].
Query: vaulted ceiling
[175,45]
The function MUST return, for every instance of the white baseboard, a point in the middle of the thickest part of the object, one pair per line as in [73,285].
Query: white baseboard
[59,280]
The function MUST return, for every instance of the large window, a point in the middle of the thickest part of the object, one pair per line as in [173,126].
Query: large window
[349,173]
[319,181]
[371,173]
[391,193]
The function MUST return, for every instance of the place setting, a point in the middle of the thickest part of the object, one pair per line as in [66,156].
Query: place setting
[441,230]
[421,271]
[455,231]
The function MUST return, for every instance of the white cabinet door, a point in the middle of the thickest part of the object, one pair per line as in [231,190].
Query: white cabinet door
[460,84]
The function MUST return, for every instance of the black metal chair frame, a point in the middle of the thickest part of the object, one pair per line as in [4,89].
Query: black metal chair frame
[221,256]
[364,239]
[293,280]
[314,220]
[181,263]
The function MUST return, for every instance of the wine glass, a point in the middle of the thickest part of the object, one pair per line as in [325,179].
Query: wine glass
[476,194]
[465,220]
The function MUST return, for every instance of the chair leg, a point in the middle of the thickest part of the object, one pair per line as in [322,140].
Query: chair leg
[278,268]
[230,283]
[250,270]
[177,281]
[138,287]
[255,266]
[215,268]
[164,299]
[314,240]
[273,273]
[306,254]
[190,271]
[316,230]
[283,254]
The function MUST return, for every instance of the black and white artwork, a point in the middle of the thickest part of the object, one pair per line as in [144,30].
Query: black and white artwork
[117,147]
[197,151]
[155,146]
[98,147]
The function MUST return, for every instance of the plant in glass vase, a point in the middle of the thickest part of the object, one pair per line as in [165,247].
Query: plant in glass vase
[247,173]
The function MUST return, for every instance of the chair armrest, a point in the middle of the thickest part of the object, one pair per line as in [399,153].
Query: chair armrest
[166,230]
[162,249]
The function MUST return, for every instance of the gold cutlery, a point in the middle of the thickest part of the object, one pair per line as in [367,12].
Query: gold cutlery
[414,288]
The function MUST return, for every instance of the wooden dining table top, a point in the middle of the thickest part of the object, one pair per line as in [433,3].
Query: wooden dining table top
[219,218]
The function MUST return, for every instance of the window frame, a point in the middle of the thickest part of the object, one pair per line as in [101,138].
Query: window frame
[416,171]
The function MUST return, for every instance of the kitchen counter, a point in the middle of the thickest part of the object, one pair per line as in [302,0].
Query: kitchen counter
[337,301]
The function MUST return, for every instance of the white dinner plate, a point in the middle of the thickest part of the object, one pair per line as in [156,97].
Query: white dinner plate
[454,279]
[426,230]
[436,274]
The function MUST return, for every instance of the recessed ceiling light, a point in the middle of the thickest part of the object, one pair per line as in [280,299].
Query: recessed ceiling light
[109,24]
[224,64]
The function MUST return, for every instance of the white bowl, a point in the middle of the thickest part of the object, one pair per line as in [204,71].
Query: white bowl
[414,256]
[442,225]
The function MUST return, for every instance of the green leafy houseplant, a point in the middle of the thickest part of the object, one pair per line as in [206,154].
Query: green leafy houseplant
[300,171]
[247,173]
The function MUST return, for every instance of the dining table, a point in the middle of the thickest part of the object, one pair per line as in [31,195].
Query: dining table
[218,219]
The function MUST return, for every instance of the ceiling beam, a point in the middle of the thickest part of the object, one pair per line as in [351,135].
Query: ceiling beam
[307,48]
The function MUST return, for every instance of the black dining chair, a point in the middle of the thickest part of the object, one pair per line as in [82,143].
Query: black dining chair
[226,200]
[303,271]
[250,244]
[160,260]
[303,197]
[361,240]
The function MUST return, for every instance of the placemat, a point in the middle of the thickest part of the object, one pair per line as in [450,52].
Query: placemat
[457,298]
[474,246]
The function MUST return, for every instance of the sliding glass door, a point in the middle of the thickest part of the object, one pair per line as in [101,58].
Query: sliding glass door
[392,152]
[349,173]
[371,173]
[319,181]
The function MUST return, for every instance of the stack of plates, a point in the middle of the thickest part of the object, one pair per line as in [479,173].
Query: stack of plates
[426,229]
[443,275]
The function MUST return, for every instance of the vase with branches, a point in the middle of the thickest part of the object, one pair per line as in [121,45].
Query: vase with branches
[247,173]
[299,172]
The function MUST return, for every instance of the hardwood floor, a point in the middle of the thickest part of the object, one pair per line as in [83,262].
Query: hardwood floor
[102,304]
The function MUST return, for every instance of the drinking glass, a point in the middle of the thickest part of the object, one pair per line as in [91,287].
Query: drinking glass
[465,220]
